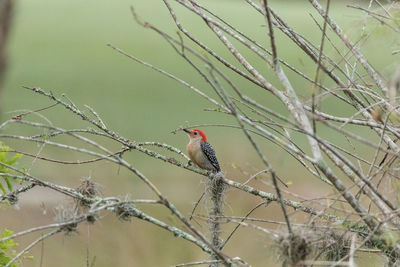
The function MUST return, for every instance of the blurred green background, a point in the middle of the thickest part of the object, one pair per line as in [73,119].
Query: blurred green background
[60,46]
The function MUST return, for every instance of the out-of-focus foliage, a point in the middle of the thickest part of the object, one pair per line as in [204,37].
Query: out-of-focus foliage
[9,160]
[6,249]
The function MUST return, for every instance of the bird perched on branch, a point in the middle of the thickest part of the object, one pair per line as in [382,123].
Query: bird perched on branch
[201,152]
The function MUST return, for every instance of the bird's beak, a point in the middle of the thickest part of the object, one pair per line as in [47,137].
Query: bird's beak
[186,131]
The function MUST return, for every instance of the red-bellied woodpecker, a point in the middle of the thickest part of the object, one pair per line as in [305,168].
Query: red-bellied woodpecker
[201,152]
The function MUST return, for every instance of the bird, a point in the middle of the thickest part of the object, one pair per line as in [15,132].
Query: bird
[201,152]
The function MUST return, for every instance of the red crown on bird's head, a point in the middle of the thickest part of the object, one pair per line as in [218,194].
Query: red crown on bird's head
[204,137]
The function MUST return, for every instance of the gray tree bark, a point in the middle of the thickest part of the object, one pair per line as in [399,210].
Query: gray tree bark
[5,21]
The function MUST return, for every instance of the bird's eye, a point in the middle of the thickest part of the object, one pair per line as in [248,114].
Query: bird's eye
[195,133]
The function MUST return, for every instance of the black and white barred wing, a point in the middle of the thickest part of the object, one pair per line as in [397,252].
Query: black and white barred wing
[209,151]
